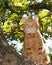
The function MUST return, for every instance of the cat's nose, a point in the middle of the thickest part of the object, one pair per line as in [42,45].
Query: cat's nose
[30,27]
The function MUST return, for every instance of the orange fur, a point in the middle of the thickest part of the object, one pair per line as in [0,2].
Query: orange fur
[33,47]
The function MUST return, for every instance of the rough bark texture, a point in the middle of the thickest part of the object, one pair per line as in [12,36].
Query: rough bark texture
[8,55]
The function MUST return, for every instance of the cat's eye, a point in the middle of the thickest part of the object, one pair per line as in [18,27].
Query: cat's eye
[26,25]
[32,25]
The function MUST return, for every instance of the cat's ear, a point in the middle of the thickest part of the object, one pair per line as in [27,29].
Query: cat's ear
[36,18]
[24,19]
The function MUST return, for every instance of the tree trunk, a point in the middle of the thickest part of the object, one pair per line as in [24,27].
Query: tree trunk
[8,55]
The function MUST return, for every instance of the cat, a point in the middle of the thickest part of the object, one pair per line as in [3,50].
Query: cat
[33,42]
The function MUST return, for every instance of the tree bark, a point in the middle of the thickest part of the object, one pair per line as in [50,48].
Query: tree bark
[8,55]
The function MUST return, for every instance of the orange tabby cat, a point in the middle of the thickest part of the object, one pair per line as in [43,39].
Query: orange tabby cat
[33,47]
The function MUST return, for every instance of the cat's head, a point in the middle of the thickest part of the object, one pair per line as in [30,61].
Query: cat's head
[30,25]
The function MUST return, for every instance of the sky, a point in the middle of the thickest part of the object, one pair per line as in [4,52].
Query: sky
[48,44]
[38,0]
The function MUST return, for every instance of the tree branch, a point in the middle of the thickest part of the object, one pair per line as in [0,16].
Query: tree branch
[40,6]
[2,38]
[34,7]
[50,13]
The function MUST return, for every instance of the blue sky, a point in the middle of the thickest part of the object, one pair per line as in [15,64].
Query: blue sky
[48,44]
[39,0]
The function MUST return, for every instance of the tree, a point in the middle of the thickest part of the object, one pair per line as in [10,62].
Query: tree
[11,12]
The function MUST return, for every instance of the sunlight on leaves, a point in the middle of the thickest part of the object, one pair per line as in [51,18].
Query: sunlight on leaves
[13,16]
[20,2]
[7,27]
[43,13]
